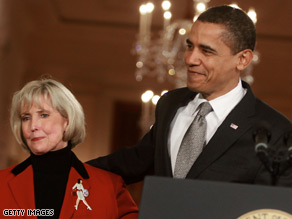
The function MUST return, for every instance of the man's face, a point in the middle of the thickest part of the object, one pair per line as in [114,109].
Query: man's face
[211,66]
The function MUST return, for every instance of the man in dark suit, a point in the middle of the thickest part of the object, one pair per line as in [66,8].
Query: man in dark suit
[220,46]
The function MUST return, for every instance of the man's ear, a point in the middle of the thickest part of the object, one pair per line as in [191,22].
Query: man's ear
[244,59]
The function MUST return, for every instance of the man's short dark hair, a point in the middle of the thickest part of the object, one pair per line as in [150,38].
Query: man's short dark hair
[241,32]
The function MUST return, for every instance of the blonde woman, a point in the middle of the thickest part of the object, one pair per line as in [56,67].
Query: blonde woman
[48,122]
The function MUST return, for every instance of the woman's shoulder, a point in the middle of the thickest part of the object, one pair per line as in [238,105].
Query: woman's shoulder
[6,173]
[7,170]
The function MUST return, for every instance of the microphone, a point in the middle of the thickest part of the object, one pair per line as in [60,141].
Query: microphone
[261,137]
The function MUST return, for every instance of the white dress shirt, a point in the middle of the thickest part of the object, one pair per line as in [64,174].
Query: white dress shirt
[222,106]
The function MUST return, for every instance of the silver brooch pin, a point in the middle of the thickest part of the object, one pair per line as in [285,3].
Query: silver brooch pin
[81,194]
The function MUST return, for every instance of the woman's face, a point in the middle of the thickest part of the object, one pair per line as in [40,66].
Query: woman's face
[43,127]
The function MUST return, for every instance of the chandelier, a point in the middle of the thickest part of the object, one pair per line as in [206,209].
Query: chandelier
[161,54]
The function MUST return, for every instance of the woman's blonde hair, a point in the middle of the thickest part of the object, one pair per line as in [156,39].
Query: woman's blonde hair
[62,100]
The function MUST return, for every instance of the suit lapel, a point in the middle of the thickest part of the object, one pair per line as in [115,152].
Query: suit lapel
[68,210]
[22,189]
[242,117]
[167,114]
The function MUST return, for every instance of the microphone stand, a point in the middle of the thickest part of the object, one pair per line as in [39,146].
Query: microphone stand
[273,162]
[275,173]
[276,160]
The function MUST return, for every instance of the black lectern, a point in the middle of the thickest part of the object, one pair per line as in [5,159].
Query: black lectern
[167,198]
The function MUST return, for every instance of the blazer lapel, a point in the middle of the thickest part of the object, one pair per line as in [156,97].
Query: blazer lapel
[22,188]
[236,124]
[68,209]
[167,113]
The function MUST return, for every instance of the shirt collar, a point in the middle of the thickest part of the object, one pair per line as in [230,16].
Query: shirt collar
[221,105]
[224,104]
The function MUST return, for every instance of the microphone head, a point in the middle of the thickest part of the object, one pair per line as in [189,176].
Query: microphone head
[262,128]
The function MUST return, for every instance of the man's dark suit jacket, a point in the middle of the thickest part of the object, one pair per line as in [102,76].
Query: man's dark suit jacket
[229,156]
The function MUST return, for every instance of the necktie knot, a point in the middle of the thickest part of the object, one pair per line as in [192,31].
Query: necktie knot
[205,108]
